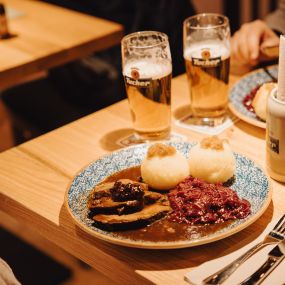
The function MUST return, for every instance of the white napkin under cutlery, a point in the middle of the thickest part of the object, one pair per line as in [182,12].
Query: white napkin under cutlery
[277,277]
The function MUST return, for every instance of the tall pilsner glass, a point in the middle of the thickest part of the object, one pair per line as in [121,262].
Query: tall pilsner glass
[147,70]
[206,40]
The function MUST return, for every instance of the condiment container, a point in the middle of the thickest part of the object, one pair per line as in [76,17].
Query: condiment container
[275,137]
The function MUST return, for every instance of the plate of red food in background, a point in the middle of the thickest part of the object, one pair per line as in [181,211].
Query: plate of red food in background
[109,200]
[243,92]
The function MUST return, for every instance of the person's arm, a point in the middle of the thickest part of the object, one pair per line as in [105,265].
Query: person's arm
[252,37]
[247,42]
[276,19]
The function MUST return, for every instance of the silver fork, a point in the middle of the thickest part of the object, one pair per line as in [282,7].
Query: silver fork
[275,236]
[275,257]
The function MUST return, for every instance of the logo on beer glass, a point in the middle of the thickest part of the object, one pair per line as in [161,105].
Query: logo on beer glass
[135,73]
[205,53]
[205,60]
[135,80]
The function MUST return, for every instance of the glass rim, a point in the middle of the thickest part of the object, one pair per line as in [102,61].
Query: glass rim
[225,23]
[127,37]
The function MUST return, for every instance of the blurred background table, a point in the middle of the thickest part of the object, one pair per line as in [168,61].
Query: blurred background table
[35,175]
[47,36]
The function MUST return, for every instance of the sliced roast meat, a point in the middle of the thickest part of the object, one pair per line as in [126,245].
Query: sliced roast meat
[146,216]
[103,199]
[100,191]
[106,205]
[104,189]
[151,197]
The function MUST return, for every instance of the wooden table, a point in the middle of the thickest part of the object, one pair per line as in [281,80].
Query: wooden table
[48,36]
[34,177]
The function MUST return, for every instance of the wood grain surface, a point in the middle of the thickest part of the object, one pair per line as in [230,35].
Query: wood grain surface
[34,177]
[47,36]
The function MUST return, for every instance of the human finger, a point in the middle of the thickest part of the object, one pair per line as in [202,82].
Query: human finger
[240,49]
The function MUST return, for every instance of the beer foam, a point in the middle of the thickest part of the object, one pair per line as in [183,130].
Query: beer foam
[216,50]
[148,68]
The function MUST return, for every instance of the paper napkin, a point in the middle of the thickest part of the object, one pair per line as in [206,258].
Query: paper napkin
[132,140]
[185,123]
[277,277]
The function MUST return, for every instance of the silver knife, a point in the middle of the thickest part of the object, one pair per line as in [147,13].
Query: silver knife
[275,257]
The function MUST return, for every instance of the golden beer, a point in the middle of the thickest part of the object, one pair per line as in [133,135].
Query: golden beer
[147,69]
[206,39]
[149,99]
[208,83]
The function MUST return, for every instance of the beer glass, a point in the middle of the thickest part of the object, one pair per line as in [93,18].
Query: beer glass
[147,71]
[206,40]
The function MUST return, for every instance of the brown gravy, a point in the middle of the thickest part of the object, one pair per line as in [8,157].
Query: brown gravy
[164,229]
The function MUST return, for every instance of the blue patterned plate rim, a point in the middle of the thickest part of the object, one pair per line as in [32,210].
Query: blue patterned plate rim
[249,176]
[241,88]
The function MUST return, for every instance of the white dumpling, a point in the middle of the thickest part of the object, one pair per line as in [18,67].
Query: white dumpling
[212,160]
[164,167]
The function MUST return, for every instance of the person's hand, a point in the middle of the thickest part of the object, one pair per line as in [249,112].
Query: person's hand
[248,41]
